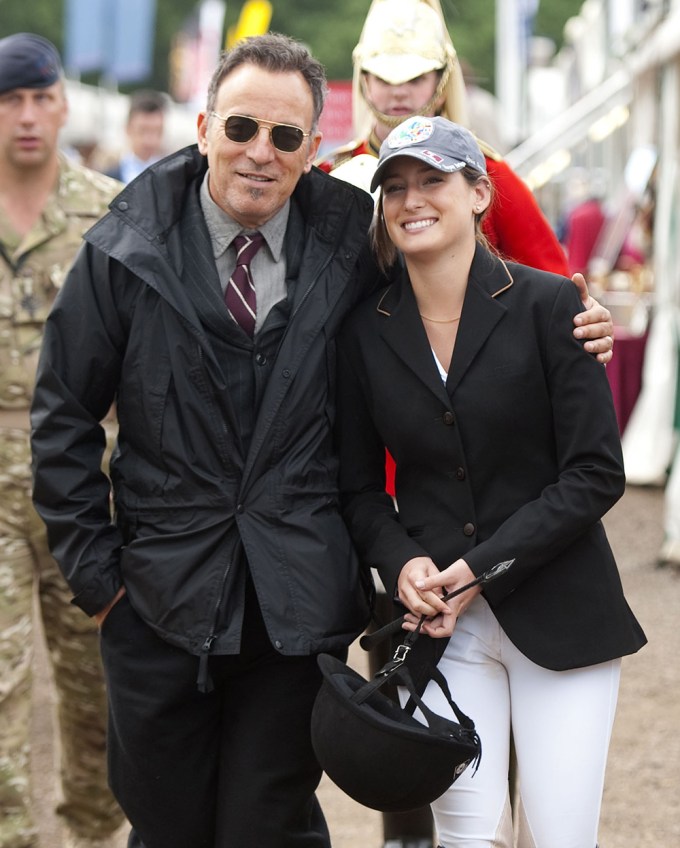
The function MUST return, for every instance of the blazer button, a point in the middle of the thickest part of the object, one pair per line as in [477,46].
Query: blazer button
[460,473]
[469,529]
[261,359]
[449,418]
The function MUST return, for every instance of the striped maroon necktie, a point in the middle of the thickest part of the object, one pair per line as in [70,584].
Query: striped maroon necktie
[240,292]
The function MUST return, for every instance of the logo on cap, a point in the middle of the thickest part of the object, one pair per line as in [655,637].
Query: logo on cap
[435,158]
[413,131]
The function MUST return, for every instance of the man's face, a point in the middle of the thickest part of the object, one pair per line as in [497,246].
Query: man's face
[400,101]
[251,182]
[30,120]
[404,98]
[145,134]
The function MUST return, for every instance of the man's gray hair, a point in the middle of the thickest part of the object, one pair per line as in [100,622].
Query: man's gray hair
[275,53]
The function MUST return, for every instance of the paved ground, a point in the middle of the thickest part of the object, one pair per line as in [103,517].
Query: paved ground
[642,797]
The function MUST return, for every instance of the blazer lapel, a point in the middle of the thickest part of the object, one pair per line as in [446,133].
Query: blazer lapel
[489,277]
[405,334]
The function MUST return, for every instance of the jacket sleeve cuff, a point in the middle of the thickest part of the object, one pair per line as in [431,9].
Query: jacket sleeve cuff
[98,594]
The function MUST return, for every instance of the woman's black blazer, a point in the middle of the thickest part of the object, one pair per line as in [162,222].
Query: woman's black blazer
[517,456]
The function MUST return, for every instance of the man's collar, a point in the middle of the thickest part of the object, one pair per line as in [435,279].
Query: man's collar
[223,228]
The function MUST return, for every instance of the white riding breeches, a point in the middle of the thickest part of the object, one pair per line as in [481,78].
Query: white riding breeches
[561,723]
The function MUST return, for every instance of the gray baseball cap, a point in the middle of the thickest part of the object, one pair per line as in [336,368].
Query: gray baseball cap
[437,141]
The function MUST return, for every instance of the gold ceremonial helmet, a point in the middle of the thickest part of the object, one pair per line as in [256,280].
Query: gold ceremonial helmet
[401,40]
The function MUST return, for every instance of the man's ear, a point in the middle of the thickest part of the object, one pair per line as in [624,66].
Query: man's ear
[312,151]
[202,123]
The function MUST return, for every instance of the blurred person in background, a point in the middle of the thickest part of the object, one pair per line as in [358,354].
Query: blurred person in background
[584,218]
[144,131]
[46,204]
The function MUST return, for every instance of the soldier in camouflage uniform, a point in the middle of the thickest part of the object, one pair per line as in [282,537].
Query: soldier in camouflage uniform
[46,204]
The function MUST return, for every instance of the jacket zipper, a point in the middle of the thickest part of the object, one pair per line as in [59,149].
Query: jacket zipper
[204,681]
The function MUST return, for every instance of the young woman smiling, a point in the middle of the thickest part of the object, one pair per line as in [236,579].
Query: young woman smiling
[506,445]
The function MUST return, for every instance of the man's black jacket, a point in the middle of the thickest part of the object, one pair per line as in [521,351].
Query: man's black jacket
[125,329]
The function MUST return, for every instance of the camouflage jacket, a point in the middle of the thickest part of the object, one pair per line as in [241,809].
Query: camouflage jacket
[33,268]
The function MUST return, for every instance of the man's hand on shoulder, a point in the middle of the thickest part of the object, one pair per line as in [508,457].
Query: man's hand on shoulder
[594,325]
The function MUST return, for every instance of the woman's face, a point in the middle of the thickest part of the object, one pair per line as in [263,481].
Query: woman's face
[428,212]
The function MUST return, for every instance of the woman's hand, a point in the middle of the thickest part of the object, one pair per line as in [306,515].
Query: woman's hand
[417,601]
[421,587]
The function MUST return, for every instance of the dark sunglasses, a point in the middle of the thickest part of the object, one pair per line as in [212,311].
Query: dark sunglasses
[242,129]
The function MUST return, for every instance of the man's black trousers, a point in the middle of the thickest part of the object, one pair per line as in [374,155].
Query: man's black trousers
[233,768]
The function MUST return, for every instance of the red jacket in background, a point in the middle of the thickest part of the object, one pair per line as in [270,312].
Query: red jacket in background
[584,225]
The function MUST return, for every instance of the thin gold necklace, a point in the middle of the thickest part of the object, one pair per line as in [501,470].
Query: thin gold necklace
[438,320]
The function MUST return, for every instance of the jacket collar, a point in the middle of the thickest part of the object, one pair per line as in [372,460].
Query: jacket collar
[482,309]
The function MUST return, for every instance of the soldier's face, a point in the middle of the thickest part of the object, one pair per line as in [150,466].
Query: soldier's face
[404,98]
[30,121]
[253,180]
[400,101]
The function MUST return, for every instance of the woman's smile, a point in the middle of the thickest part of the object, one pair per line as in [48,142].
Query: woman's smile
[422,224]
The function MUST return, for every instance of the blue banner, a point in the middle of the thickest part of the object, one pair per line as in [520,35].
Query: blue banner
[85,27]
[133,38]
[115,37]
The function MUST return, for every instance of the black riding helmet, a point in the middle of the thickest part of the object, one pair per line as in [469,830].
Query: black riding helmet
[377,752]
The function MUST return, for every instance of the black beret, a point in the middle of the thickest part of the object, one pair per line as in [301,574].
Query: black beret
[28,61]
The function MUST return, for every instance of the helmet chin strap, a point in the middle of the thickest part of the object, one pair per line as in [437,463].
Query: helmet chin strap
[393,121]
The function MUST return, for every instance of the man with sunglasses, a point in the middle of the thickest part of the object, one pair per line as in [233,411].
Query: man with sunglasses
[228,567]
